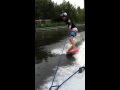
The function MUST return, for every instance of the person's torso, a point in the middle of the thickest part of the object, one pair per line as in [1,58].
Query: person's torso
[70,24]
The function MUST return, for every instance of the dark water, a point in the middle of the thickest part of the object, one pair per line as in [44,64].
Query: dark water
[44,60]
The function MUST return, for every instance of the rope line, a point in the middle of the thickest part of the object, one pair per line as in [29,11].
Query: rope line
[58,86]
[58,65]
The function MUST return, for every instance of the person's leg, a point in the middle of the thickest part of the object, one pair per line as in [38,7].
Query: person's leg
[72,42]
[72,35]
[70,48]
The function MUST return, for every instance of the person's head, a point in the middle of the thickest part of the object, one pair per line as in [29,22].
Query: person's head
[64,16]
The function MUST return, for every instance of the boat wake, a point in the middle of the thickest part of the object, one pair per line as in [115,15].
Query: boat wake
[77,82]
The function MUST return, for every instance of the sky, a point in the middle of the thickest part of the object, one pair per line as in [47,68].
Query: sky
[74,2]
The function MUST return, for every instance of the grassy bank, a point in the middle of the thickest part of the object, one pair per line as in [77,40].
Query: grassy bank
[79,26]
[38,25]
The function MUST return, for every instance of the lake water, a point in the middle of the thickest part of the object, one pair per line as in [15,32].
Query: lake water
[48,47]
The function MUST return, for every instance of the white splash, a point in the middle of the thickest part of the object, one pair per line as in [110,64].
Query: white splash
[80,56]
[62,49]
[77,82]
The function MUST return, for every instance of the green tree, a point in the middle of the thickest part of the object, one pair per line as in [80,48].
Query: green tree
[46,9]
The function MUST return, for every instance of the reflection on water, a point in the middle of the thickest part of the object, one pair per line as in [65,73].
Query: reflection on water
[46,37]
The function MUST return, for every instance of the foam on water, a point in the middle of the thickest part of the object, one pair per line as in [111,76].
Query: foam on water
[80,56]
[58,51]
[77,82]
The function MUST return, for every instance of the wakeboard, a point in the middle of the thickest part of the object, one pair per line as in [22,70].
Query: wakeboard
[72,52]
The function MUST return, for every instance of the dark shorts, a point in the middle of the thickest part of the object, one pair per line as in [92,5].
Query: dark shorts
[72,33]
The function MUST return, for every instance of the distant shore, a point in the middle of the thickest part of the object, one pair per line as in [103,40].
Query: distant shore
[55,27]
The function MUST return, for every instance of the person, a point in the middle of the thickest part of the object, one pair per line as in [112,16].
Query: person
[72,30]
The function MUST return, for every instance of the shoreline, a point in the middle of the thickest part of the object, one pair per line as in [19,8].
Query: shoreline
[55,28]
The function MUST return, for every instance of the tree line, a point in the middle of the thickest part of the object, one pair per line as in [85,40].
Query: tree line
[47,9]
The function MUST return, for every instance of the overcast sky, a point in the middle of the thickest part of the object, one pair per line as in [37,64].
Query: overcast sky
[74,2]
